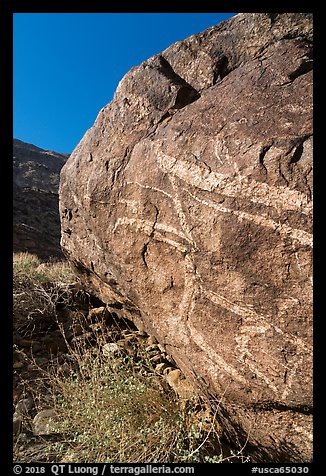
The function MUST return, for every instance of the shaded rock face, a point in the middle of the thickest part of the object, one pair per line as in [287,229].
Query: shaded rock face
[188,205]
[36,222]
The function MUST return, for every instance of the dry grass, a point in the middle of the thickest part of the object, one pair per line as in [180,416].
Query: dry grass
[30,266]
[112,410]
[37,289]
[111,413]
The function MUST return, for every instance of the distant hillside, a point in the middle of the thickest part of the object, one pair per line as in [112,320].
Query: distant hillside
[36,223]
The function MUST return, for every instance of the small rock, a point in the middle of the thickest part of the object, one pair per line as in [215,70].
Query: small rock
[141,332]
[96,327]
[24,405]
[97,312]
[54,344]
[131,338]
[43,422]
[128,346]
[156,358]
[77,329]
[18,365]
[15,338]
[168,369]
[127,333]
[17,391]
[41,360]
[151,340]
[170,359]
[36,347]
[174,375]
[110,348]
[180,385]
[16,423]
[161,367]
[29,343]
[152,348]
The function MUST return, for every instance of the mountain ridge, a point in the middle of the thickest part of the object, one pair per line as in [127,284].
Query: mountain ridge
[36,175]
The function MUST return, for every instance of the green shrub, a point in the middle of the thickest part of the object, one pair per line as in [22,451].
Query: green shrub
[109,412]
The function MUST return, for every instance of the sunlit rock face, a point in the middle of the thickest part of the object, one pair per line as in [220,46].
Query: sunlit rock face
[188,205]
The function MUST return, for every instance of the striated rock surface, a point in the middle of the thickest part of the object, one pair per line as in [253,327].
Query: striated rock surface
[188,206]
[36,222]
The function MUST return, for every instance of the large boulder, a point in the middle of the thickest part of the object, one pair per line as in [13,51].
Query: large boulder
[188,206]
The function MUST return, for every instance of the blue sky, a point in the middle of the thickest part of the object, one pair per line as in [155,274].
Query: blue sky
[68,65]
